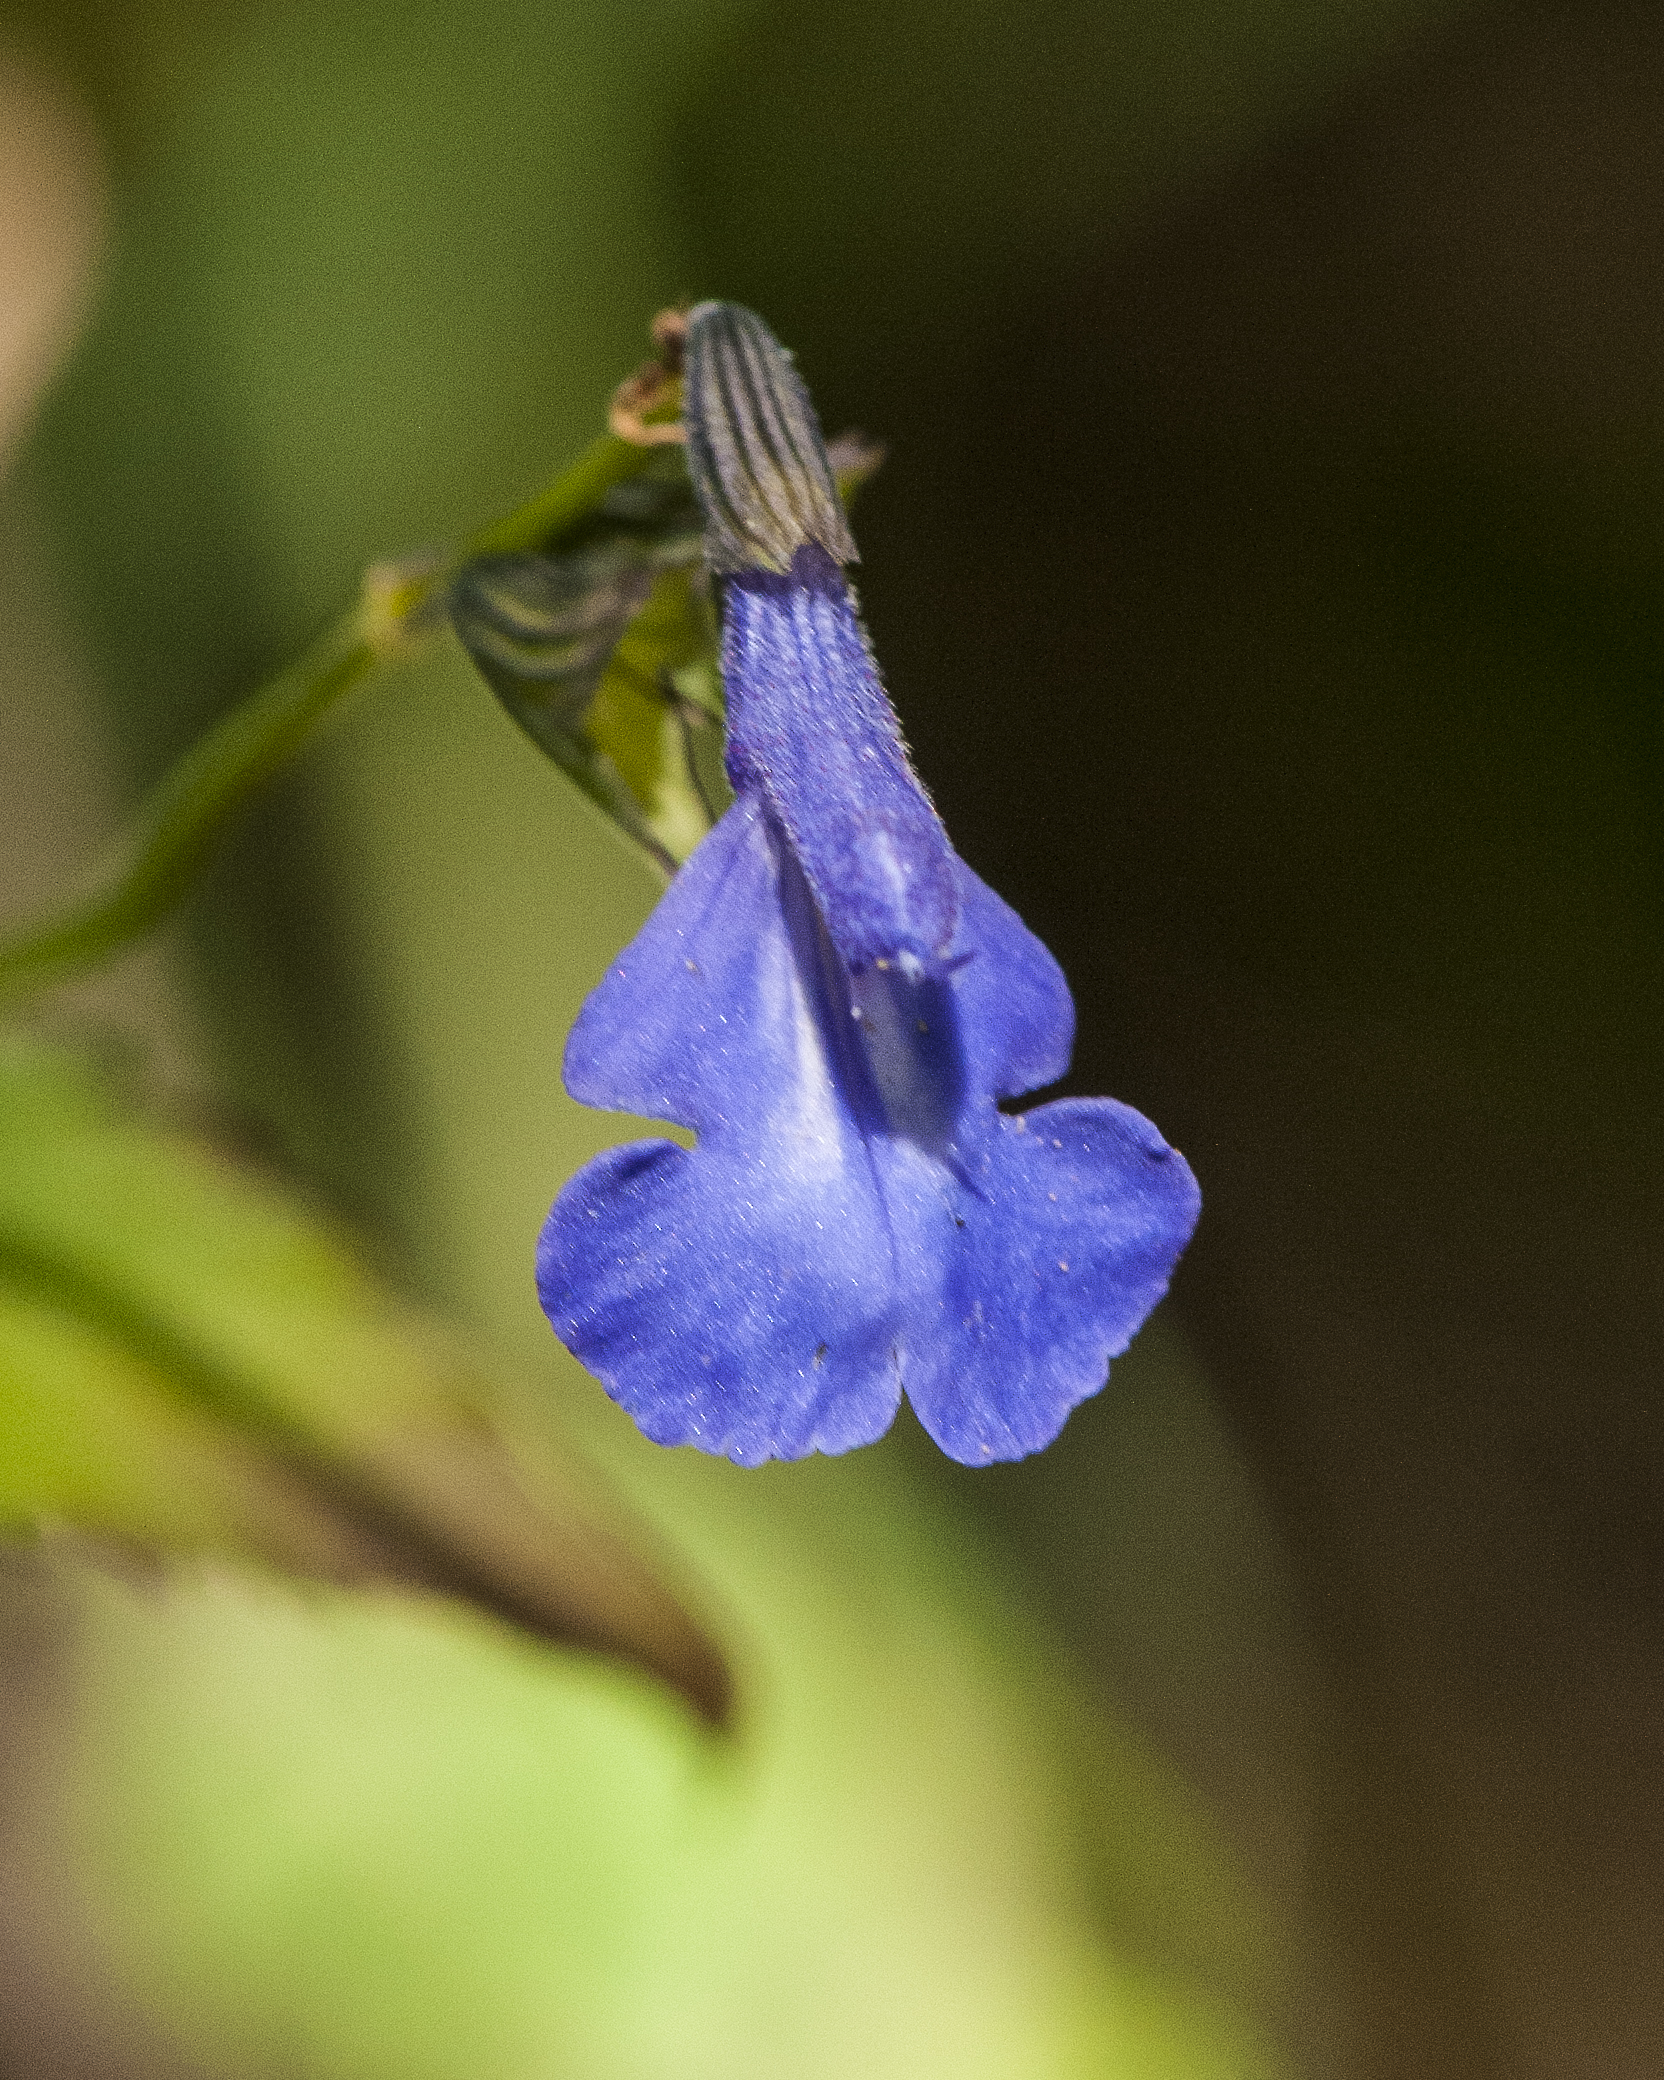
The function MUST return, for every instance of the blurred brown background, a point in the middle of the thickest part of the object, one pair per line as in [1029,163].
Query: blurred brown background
[1273,595]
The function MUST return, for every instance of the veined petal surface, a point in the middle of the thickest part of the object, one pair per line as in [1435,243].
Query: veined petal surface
[810,725]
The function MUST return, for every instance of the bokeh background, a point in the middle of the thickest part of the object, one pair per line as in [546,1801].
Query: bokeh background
[1267,569]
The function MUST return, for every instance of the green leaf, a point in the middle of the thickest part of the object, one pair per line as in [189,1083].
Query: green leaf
[393,1851]
[191,1362]
[603,646]
[584,649]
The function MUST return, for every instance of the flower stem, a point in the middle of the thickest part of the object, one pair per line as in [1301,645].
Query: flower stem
[178,824]
[574,494]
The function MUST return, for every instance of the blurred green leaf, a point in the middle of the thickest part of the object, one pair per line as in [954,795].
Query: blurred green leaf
[378,1844]
[190,1361]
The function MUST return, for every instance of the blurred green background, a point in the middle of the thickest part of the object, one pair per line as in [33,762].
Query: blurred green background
[1267,571]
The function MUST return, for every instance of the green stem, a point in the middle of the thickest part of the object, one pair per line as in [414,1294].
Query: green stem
[179,822]
[574,494]
[177,826]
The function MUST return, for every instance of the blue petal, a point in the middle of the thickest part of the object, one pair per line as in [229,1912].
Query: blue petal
[1016,1016]
[833,1003]
[810,725]
[857,1214]
[1045,1262]
[740,1297]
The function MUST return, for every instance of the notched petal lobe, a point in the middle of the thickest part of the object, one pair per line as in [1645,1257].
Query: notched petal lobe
[740,1296]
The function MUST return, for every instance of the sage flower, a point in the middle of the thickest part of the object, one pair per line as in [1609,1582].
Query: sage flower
[838,1009]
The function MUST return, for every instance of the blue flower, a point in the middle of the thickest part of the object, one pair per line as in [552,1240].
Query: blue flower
[835,1005]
